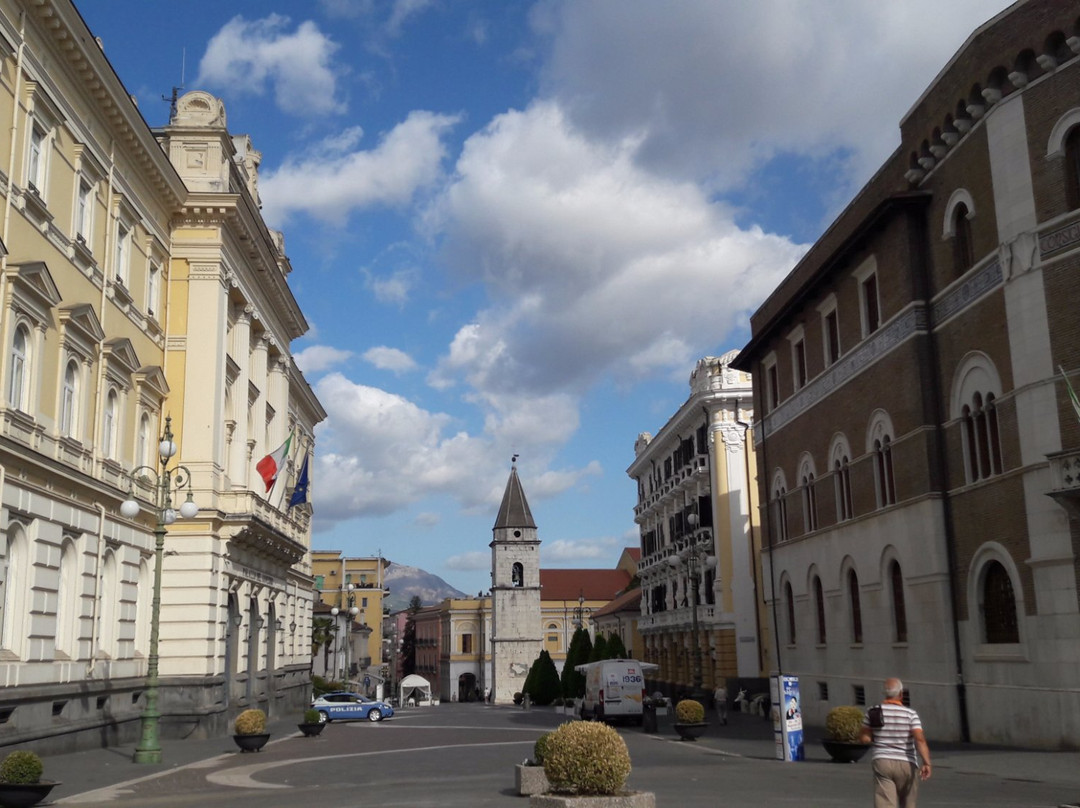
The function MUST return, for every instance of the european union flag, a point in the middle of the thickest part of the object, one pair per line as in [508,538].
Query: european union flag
[300,492]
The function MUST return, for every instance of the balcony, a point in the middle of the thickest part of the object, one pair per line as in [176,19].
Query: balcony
[676,619]
[1065,480]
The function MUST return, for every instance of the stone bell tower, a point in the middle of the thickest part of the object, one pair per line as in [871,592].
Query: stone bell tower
[515,592]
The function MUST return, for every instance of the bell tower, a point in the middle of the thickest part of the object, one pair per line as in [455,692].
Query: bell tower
[515,592]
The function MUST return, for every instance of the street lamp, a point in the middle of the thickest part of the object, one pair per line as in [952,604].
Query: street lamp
[164,482]
[580,612]
[350,613]
[696,557]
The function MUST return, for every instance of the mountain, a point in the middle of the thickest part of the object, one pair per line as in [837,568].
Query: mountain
[404,582]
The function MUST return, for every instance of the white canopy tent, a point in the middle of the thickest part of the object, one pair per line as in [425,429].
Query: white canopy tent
[414,689]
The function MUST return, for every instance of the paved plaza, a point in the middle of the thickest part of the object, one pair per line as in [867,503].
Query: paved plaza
[459,755]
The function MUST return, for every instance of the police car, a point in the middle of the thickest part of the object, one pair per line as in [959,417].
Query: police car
[344,706]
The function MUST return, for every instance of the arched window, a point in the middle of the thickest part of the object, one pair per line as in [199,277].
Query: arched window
[883,469]
[963,251]
[896,582]
[142,450]
[68,596]
[1072,169]
[20,368]
[998,605]
[108,433]
[841,467]
[779,508]
[517,574]
[819,603]
[809,500]
[69,397]
[15,585]
[790,599]
[856,607]
[551,642]
[981,438]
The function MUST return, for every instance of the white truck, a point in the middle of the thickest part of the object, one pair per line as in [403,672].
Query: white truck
[614,689]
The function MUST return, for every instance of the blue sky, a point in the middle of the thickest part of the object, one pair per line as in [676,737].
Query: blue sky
[515,226]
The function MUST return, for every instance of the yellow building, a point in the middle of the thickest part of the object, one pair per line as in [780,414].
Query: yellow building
[139,288]
[334,575]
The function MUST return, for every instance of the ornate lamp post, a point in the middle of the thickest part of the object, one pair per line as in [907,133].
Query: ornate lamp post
[350,613]
[580,613]
[696,557]
[164,482]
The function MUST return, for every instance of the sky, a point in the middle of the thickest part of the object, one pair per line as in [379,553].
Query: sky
[514,227]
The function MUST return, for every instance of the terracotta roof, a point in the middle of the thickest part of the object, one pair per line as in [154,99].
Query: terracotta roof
[593,584]
[514,510]
[629,601]
[633,552]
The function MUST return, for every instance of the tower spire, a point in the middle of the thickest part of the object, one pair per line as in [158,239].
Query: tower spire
[514,510]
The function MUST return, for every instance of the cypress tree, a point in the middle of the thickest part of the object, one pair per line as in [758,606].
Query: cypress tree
[599,649]
[573,683]
[544,688]
[615,647]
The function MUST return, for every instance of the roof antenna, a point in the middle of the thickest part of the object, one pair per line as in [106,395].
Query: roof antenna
[176,90]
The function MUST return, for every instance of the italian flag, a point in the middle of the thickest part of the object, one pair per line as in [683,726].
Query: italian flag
[270,466]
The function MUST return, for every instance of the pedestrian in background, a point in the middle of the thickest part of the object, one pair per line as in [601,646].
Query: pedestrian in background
[895,732]
[720,699]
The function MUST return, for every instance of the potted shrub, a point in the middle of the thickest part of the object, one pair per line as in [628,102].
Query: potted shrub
[518,698]
[20,780]
[690,719]
[312,724]
[842,728]
[587,764]
[250,730]
[529,775]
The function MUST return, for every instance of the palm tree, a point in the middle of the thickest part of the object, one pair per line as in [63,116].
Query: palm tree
[323,631]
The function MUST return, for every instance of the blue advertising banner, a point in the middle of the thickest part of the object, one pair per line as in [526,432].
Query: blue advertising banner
[787,718]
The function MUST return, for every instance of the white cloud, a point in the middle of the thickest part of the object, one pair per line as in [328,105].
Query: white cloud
[333,179]
[317,358]
[595,267]
[427,519]
[247,55]
[715,88]
[402,11]
[564,550]
[391,359]
[475,560]
[379,453]
[394,289]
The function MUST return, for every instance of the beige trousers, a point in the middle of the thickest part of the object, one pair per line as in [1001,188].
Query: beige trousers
[896,783]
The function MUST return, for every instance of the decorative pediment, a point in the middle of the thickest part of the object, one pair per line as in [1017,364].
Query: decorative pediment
[152,378]
[121,355]
[82,322]
[33,277]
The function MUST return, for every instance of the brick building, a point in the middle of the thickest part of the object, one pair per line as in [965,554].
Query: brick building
[916,444]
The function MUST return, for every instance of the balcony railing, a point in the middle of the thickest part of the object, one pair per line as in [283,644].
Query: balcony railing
[1065,480]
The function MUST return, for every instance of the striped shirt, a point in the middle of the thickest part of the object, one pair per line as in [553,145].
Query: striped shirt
[894,740]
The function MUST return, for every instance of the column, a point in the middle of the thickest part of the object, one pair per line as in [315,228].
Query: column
[241,353]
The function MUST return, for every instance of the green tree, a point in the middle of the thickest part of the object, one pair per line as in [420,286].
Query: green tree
[573,683]
[599,649]
[615,647]
[542,683]
[408,638]
[323,631]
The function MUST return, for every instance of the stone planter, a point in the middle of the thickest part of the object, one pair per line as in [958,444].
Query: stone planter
[691,731]
[628,799]
[845,751]
[18,795]
[251,743]
[530,780]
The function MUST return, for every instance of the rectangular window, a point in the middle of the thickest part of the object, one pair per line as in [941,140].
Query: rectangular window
[120,271]
[363,603]
[859,694]
[35,168]
[832,337]
[871,311]
[798,355]
[153,283]
[823,691]
[466,643]
[772,388]
[320,582]
[83,209]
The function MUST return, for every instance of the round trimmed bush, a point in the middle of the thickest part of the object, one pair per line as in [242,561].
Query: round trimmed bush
[540,748]
[251,722]
[21,768]
[311,716]
[689,711]
[586,757]
[843,724]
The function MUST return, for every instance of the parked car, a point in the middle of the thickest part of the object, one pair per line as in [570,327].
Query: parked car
[342,706]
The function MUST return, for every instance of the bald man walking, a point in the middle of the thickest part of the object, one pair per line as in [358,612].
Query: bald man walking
[896,733]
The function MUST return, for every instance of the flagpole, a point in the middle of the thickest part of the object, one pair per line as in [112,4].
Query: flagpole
[288,473]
